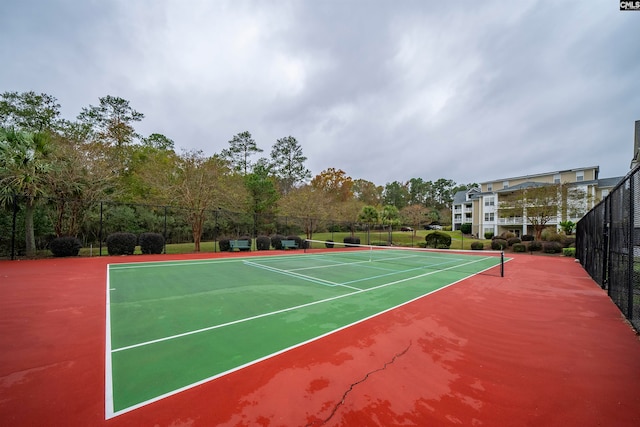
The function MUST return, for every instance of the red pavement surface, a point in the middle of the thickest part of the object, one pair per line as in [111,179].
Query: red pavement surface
[543,346]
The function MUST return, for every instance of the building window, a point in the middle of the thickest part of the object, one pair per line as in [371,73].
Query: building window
[579,176]
[556,178]
[490,187]
[605,193]
[489,201]
[488,216]
[505,184]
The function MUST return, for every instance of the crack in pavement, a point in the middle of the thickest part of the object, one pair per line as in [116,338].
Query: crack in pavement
[344,396]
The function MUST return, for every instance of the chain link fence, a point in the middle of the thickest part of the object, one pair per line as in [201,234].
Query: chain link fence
[608,245]
[93,222]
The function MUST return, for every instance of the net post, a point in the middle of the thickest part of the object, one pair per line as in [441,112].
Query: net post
[501,263]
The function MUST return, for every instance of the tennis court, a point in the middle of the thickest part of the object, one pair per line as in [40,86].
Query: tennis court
[543,345]
[174,325]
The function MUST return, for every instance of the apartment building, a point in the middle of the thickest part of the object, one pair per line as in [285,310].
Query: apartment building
[481,207]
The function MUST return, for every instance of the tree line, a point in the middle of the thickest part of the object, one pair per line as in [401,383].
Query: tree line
[100,155]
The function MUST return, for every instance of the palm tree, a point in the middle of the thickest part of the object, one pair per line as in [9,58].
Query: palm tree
[24,165]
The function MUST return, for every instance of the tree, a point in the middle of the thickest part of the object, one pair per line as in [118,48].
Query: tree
[396,194]
[369,216]
[367,192]
[389,215]
[287,163]
[261,189]
[24,168]
[307,202]
[241,148]
[443,193]
[78,180]
[201,184]
[418,190]
[110,127]
[538,203]
[111,122]
[335,183]
[29,111]
[414,215]
[158,141]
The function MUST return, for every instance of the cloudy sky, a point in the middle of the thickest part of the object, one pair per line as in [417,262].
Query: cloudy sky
[386,90]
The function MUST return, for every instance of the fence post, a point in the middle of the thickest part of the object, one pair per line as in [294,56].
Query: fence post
[100,231]
[215,231]
[13,227]
[165,230]
[630,243]
[606,268]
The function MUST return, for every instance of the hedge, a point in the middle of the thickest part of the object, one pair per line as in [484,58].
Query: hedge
[121,243]
[151,243]
[438,240]
[65,246]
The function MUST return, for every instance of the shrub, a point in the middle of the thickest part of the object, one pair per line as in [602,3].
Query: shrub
[477,246]
[352,240]
[488,235]
[121,243]
[506,235]
[568,242]
[569,252]
[276,241]
[499,244]
[65,246]
[224,244]
[151,243]
[446,228]
[528,238]
[550,234]
[263,243]
[438,240]
[513,240]
[422,244]
[534,246]
[551,247]
[328,243]
[465,228]
[519,247]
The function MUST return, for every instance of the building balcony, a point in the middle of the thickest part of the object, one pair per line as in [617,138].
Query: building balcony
[518,220]
[512,220]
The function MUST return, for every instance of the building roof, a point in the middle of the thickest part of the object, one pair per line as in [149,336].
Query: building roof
[609,182]
[528,184]
[597,168]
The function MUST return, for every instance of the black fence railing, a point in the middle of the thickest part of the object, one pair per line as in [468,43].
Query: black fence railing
[608,245]
[93,222]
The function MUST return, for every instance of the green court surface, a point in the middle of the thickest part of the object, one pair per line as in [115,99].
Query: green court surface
[174,325]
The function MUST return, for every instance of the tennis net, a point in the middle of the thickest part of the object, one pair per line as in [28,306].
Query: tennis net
[471,261]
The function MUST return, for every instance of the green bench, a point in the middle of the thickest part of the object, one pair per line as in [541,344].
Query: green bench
[289,244]
[240,245]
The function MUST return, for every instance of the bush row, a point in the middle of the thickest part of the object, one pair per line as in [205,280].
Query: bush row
[125,243]
[117,244]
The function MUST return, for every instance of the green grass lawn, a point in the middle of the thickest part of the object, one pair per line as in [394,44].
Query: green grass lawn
[377,237]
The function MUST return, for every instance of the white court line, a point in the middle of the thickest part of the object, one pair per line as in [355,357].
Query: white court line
[108,382]
[284,310]
[298,275]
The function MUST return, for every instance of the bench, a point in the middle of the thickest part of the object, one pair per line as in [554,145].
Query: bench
[240,245]
[289,244]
